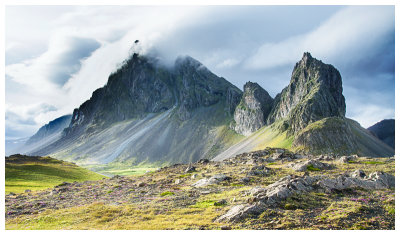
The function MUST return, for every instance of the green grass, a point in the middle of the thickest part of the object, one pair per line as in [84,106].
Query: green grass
[38,175]
[312,168]
[167,193]
[273,137]
[100,216]
[373,162]
[207,203]
[123,169]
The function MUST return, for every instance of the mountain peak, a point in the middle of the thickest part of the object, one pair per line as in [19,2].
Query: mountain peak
[314,92]
[253,109]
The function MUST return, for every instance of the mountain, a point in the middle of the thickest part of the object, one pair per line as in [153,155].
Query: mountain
[47,134]
[308,116]
[53,127]
[253,109]
[385,131]
[314,92]
[150,112]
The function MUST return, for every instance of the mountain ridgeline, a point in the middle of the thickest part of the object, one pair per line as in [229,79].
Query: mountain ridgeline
[148,112]
[151,113]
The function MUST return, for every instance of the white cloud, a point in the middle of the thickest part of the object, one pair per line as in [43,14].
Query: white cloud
[348,32]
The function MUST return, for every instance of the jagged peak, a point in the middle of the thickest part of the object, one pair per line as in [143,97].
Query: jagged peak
[307,60]
[251,86]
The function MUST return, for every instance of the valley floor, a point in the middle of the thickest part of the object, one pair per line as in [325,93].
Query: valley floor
[178,197]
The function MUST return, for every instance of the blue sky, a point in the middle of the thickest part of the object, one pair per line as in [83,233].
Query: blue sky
[56,56]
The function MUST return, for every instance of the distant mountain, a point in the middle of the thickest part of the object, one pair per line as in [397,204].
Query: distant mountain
[151,113]
[46,135]
[53,127]
[385,131]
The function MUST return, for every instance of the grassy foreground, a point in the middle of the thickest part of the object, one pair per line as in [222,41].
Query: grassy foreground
[166,199]
[38,173]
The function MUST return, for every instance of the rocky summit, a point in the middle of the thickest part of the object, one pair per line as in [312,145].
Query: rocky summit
[253,109]
[314,92]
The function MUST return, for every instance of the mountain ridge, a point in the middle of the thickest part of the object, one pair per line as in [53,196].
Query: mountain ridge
[150,113]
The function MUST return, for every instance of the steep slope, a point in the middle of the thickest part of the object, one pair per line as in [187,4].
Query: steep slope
[385,131]
[339,136]
[314,92]
[148,112]
[57,125]
[308,116]
[253,109]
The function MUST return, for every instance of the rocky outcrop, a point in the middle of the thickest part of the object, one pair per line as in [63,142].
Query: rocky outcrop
[385,131]
[253,109]
[312,165]
[263,198]
[212,180]
[314,92]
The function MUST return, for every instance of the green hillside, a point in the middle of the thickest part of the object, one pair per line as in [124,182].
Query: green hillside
[38,173]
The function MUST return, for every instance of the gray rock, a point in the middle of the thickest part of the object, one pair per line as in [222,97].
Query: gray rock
[376,180]
[259,171]
[203,161]
[245,180]
[239,212]
[358,174]
[190,168]
[262,198]
[253,109]
[302,166]
[308,75]
[346,159]
[212,180]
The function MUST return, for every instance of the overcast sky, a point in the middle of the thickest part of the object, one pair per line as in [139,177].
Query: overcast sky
[56,56]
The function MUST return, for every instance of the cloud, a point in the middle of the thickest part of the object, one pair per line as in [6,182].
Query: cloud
[62,59]
[76,48]
[346,34]
[20,119]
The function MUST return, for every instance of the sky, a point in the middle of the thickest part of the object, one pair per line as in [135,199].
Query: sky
[56,56]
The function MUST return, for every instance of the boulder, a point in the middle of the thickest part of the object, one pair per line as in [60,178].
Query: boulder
[358,174]
[303,166]
[190,168]
[239,212]
[212,180]
[346,159]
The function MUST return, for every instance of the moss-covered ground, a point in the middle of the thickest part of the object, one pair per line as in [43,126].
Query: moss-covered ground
[165,199]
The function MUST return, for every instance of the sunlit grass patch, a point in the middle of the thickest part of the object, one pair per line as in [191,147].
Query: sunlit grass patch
[100,216]
[44,174]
